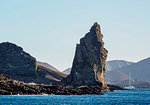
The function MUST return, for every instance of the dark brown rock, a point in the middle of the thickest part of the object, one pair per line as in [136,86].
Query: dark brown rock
[114,87]
[9,86]
[89,62]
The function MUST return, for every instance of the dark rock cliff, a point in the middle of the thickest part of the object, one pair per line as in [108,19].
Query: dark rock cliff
[19,65]
[16,63]
[89,62]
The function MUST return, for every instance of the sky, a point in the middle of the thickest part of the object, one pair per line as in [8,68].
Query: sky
[50,29]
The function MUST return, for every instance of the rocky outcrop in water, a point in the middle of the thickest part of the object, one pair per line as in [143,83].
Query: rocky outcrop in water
[9,86]
[89,62]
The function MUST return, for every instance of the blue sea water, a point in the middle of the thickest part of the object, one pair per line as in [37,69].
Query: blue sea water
[120,97]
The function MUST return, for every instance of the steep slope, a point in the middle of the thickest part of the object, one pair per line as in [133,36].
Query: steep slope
[117,64]
[19,65]
[89,62]
[46,65]
[48,76]
[139,70]
[16,63]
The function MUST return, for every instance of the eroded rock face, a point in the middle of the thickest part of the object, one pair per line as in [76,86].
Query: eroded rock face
[19,65]
[89,61]
[16,63]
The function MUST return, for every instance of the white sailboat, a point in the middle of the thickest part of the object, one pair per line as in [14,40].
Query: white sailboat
[130,87]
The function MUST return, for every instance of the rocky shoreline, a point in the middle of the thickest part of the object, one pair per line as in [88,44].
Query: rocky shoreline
[13,87]
[87,74]
[9,86]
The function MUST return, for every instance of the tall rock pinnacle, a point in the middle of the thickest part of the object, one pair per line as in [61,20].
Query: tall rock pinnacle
[89,62]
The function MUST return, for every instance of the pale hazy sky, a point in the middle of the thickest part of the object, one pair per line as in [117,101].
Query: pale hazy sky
[50,29]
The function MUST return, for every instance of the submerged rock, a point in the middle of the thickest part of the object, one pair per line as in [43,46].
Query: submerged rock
[89,62]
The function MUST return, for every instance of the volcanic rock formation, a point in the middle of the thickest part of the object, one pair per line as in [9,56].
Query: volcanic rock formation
[89,61]
[9,86]
[16,63]
[19,65]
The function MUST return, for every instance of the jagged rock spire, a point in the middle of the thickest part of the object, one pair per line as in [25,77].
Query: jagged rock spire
[89,62]
[95,27]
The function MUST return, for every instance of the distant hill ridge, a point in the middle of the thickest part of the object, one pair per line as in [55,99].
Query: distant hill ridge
[110,65]
[117,64]
[117,71]
[46,65]
[139,70]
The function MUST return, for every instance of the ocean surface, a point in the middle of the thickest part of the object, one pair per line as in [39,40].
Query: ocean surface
[120,97]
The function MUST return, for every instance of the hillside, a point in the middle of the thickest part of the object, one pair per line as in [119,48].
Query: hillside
[47,76]
[20,65]
[139,70]
[117,64]
[115,77]
[16,63]
[46,65]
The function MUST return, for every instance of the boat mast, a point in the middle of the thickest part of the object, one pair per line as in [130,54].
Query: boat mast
[129,78]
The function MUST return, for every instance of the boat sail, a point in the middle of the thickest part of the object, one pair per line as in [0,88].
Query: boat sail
[130,87]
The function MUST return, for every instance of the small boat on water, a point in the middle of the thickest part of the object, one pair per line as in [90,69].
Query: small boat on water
[130,87]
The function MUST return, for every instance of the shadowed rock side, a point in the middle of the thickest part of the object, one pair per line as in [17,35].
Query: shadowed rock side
[16,63]
[89,61]
[19,65]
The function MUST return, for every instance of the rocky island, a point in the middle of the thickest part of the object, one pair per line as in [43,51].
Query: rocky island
[20,74]
[89,61]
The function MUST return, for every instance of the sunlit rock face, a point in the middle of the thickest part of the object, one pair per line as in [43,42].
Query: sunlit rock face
[89,62]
